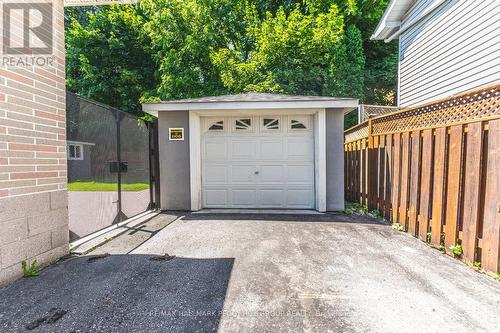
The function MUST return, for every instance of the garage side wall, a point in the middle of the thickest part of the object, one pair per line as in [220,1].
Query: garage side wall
[334,160]
[174,162]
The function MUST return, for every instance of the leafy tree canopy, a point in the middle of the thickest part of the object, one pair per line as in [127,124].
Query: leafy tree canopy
[167,49]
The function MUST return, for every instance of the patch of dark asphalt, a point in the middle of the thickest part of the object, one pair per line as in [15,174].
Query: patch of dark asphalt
[97,257]
[318,218]
[50,318]
[165,257]
[121,293]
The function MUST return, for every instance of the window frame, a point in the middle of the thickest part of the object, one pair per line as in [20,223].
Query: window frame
[273,118]
[301,120]
[250,127]
[216,123]
[74,145]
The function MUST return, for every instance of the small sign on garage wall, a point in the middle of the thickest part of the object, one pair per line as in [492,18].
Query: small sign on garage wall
[176,134]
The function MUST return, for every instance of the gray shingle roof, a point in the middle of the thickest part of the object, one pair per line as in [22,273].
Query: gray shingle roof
[254,97]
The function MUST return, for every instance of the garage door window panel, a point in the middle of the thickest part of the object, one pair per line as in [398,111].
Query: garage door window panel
[299,123]
[271,124]
[243,124]
[217,126]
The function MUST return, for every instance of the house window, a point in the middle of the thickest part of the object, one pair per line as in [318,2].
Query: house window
[296,124]
[75,152]
[243,124]
[271,123]
[217,126]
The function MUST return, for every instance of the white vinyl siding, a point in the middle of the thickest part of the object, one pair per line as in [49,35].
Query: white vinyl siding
[454,49]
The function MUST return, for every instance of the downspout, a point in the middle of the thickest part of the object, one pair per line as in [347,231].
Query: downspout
[410,24]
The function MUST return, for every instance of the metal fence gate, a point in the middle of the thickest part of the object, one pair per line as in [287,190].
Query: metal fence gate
[110,166]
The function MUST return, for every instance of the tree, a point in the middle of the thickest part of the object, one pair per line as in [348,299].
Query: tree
[381,65]
[182,33]
[292,54]
[172,49]
[108,58]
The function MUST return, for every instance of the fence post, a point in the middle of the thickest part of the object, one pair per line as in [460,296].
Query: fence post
[371,169]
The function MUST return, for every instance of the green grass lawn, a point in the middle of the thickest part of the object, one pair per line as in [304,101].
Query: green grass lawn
[93,186]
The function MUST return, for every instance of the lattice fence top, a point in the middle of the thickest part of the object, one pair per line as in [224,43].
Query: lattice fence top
[357,132]
[370,111]
[476,105]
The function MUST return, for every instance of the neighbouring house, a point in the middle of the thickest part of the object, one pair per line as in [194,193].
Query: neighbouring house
[79,159]
[252,151]
[445,47]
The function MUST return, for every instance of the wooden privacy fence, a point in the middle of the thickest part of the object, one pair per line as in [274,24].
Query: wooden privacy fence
[435,170]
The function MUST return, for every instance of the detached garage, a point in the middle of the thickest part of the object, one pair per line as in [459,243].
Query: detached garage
[252,151]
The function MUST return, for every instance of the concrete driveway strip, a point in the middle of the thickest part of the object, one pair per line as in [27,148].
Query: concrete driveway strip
[327,273]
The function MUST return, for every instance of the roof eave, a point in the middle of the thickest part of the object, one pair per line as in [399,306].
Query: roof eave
[386,30]
[391,20]
[154,108]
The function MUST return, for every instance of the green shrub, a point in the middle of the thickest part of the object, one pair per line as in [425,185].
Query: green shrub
[348,211]
[358,206]
[429,237]
[376,214]
[441,239]
[457,250]
[31,271]
[398,227]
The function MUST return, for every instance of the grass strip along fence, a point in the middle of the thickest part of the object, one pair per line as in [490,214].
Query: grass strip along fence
[434,170]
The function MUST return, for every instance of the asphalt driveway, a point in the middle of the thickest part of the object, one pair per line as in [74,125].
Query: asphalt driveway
[314,273]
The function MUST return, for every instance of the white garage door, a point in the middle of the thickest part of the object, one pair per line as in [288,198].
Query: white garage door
[258,162]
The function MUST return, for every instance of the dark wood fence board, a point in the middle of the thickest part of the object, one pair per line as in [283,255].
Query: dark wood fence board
[414,183]
[453,186]
[425,185]
[380,199]
[364,173]
[405,181]
[438,185]
[491,222]
[371,176]
[397,178]
[355,173]
[471,190]
[388,176]
[348,171]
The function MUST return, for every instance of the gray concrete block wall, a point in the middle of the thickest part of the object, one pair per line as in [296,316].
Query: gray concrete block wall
[174,162]
[32,227]
[334,160]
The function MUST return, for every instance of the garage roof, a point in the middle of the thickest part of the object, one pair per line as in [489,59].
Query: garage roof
[250,101]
